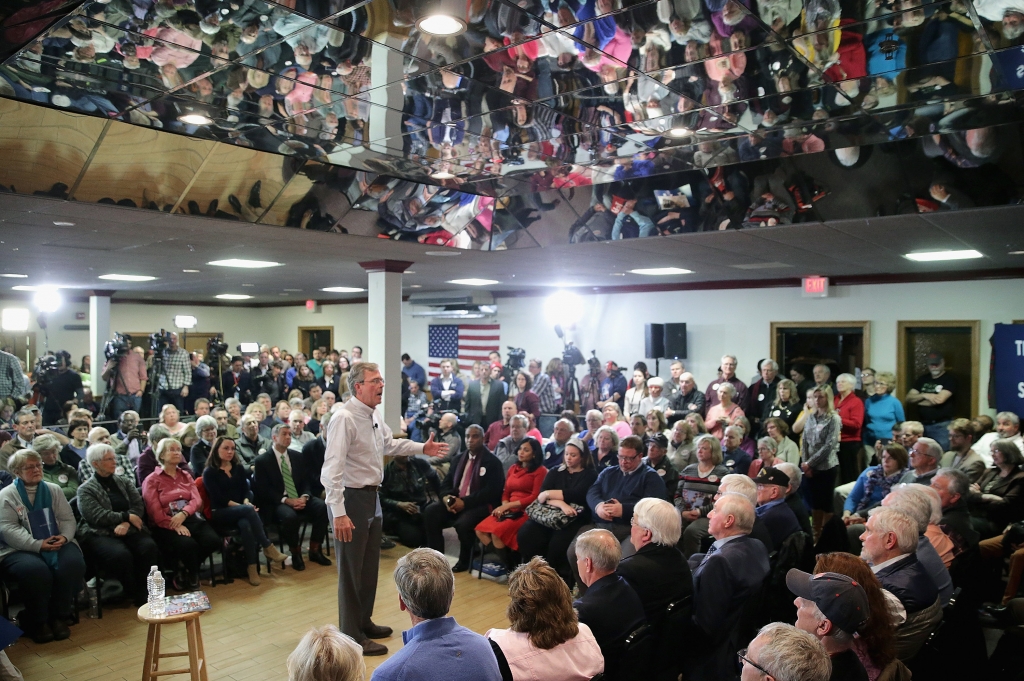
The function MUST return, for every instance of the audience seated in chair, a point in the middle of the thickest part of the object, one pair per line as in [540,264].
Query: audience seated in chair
[326,653]
[781,651]
[832,607]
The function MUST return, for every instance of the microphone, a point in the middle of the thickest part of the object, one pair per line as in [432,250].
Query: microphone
[375,426]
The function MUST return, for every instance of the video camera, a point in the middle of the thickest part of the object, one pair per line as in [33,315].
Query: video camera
[516,356]
[426,421]
[159,341]
[571,355]
[46,368]
[216,348]
[594,363]
[117,347]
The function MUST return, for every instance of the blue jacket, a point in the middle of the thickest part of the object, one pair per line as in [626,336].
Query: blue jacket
[857,493]
[440,650]
[416,373]
[612,610]
[627,489]
[456,400]
[737,461]
[780,520]
[907,580]
[881,413]
[723,582]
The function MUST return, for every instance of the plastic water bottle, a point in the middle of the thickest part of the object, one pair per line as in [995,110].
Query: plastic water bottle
[155,584]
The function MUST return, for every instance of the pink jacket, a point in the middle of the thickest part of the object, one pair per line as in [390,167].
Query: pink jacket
[160,489]
[578,659]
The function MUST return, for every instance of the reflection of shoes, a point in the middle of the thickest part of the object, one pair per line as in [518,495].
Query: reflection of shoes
[235,203]
[373,648]
[377,631]
[460,567]
[212,210]
[319,558]
[254,194]
[193,208]
[386,543]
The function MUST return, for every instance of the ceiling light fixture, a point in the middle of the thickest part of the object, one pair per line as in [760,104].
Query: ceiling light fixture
[936,256]
[233,296]
[443,254]
[415,286]
[293,290]
[25,276]
[126,277]
[563,308]
[191,271]
[343,289]
[1010,253]
[442,24]
[195,119]
[660,271]
[63,223]
[24,287]
[243,263]
[473,282]
[47,299]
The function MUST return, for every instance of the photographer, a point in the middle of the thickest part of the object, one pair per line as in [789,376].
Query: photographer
[127,371]
[175,375]
[590,386]
[12,380]
[237,382]
[272,383]
[484,398]
[58,387]
[200,384]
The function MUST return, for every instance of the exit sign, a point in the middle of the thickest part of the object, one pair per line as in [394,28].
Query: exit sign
[815,287]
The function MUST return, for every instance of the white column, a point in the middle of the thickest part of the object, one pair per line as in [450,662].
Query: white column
[99,334]
[384,342]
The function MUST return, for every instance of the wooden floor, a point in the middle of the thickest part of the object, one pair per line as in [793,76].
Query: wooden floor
[250,631]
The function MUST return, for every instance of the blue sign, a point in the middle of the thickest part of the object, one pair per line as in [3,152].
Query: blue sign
[1008,367]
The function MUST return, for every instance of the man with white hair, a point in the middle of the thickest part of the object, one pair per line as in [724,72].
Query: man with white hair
[728,368]
[1007,428]
[732,571]
[925,456]
[686,400]
[781,652]
[610,606]
[762,394]
[555,449]
[793,499]
[934,548]
[890,548]
[658,572]
[507,450]
[698,532]
[832,607]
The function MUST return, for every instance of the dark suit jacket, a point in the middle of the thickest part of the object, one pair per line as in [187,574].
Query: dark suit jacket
[721,584]
[485,414]
[780,522]
[1010,489]
[267,483]
[313,456]
[436,387]
[492,482]
[612,610]
[799,508]
[659,575]
[244,390]
[956,523]
[197,458]
[907,580]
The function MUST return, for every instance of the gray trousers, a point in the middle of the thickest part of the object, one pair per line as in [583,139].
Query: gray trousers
[621,533]
[693,536]
[358,562]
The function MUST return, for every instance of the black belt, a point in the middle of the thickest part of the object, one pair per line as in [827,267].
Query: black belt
[368,488]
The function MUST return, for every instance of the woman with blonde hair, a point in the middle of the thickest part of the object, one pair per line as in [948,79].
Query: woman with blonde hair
[819,453]
[326,654]
[545,641]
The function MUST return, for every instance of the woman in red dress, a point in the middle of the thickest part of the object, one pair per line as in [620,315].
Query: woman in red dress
[522,485]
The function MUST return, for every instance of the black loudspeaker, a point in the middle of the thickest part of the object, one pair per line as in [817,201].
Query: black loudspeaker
[675,341]
[654,340]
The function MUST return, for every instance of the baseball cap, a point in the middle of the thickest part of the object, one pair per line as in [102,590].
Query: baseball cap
[839,597]
[935,358]
[769,475]
[659,440]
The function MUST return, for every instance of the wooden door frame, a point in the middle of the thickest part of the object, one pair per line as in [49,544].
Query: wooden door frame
[901,352]
[320,327]
[864,326]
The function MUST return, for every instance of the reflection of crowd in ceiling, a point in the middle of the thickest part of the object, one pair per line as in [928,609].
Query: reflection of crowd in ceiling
[614,99]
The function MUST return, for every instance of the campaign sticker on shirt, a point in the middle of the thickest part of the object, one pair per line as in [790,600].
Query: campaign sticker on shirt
[482,471]
[712,478]
[547,455]
[118,470]
[776,412]
[692,406]
[938,389]
[730,463]
[661,472]
[760,398]
[62,478]
[714,386]
[263,450]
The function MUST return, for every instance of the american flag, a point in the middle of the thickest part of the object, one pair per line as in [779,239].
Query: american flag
[465,342]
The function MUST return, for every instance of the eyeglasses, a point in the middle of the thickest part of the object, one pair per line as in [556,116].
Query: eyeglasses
[376,381]
[629,458]
[746,660]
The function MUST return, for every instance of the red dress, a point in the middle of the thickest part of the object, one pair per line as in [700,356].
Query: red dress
[520,486]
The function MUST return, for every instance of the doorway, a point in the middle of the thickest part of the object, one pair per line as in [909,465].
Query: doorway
[315,337]
[959,344]
[844,347]
[21,344]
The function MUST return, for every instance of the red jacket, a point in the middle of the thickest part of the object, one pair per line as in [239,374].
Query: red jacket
[851,411]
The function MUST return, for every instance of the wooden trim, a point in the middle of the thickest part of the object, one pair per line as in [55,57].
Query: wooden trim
[901,353]
[321,327]
[864,326]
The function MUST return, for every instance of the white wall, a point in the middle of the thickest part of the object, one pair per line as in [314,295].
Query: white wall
[736,321]
[739,321]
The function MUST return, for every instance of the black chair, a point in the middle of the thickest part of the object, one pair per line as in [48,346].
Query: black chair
[676,625]
[636,652]
[599,677]
[273,534]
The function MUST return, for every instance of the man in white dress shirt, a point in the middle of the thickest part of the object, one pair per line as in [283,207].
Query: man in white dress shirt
[357,442]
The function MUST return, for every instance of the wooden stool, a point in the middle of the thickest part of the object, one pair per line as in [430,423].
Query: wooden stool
[196,655]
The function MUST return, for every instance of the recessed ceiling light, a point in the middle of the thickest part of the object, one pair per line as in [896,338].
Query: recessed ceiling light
[409,272]
[233,296]
[679,132]
[24,287]
[343,289]
[191,271]
[241,262]
[441,24]
[443,254]
[1010,253]
[250,285]
[195,119]
[473,282]
[25,276]
[126,277]
[935,256]
[283,294]
[293,290]
[617,274]
[658,271]
[760,266]
[63,223]
[415,286]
